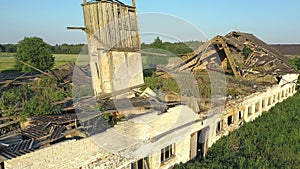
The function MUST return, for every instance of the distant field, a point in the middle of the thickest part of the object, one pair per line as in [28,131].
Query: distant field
[7,60]
[62,59]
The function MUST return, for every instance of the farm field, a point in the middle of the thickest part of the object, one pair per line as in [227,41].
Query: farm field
[7,60]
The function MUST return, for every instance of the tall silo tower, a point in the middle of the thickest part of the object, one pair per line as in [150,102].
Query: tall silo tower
[114,45]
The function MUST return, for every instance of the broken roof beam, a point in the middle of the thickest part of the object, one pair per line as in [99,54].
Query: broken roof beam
[8,123]
[77,28]
[219,40]
[45,73]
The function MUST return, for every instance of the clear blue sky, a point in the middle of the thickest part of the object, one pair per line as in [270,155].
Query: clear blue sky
[273,21]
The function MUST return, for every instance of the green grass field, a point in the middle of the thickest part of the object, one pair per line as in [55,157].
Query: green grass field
[7,60]
[62,59]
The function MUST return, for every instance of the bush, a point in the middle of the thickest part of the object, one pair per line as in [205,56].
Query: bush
[35,99]
[36,107]
[12,99]
[153,82]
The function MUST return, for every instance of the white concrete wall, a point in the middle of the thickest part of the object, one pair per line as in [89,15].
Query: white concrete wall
[68,155]
[114,71]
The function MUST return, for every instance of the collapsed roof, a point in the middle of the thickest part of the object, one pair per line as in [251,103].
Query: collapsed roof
[241,54]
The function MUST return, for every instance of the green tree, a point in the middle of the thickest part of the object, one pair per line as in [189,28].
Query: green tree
[35,52]
[157,43]
[175,49]
[2,48]
[12,48]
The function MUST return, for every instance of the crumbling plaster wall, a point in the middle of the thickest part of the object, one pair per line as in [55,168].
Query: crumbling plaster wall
[114,71]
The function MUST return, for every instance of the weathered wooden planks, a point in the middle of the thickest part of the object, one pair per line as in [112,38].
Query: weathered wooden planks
[113,25]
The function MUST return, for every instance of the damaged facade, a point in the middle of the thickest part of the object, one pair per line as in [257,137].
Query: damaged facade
[154,132]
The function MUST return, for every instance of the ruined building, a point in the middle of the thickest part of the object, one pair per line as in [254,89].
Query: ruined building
[154,132]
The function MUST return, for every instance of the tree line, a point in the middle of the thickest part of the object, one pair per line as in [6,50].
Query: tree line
[176,48]
[159,52]
[55,49]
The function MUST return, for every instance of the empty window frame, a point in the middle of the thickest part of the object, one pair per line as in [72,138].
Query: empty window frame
[257,107]
[229,120]
[263,103]
[219,126]
[240,115]
[294,88]
[167,153]
[249,110]
[141,164]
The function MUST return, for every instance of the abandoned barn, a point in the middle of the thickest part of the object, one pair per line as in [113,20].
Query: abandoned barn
[154,132]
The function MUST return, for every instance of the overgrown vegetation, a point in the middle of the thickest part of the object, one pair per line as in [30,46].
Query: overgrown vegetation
[247,51]
[271,141]
[295,62]
[33,100]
